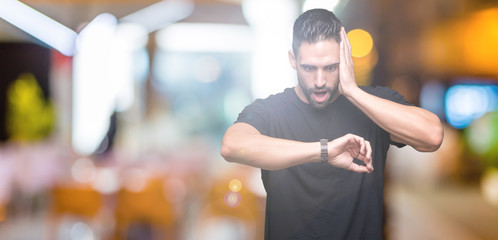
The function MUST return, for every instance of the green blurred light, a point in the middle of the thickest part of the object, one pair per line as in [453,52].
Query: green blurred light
[482,138]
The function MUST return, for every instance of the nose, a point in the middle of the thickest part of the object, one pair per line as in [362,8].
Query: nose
[320,79]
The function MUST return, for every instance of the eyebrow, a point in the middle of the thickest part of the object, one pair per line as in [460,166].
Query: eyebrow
[326,66]
[307,65]
[332,65]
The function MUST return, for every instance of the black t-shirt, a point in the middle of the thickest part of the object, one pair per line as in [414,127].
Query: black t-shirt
[316,200]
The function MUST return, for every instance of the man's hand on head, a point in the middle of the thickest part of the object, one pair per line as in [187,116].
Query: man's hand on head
[347,82]
[342,151]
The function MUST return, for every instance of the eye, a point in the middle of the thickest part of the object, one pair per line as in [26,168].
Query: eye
[331,68]
[308,68]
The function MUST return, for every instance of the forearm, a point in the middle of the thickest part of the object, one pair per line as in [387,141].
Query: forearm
[411,125]
[266,152]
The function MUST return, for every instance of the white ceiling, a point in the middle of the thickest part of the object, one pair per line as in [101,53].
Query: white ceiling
[74,13]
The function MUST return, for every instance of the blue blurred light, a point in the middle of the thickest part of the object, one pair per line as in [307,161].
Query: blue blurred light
[432,98]
[465,103]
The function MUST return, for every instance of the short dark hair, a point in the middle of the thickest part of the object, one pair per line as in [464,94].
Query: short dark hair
[315,25]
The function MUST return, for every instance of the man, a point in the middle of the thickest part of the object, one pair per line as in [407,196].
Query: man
[322,145]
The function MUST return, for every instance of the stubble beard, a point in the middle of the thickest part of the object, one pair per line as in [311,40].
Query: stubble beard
[308,92]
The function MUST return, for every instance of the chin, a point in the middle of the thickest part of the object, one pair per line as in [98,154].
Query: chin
[319,106]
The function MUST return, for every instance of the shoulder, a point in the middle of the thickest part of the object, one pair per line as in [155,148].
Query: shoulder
[287,94]
[275,99]
[260,112]
[265,106]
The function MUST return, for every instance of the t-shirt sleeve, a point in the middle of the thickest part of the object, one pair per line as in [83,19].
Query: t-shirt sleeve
[392,95]
[256,115]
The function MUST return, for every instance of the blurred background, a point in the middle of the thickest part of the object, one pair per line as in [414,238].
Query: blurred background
[112,113]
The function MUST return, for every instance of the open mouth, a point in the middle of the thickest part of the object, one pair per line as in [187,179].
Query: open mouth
[320,96]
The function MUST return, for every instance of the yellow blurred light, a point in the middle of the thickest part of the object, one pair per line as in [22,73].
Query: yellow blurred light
[361,42]
[29,116]
[363,67]
[479,36]
[489,186]
[465,46]
[2,213]
[235,185]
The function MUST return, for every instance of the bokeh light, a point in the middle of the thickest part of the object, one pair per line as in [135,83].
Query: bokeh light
[83,170]
[363,67]
[361,42]
[489,186]
[465,103]
[478,35]
[2,213]
[206,69]
[134,179]
[106,181]
[81,231]
[235,185]
[482,137]
[463,46]
[232,199]
[29,116]
[432,97]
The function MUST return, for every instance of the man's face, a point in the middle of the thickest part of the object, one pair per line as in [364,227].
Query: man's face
[317,67]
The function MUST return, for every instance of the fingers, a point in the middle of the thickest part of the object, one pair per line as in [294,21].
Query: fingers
[342,46]
[349,147]
[345,39]
[359,168]
[365,153]
[363,147]
[344,36]
[368,160]
[346,70]
[345,47]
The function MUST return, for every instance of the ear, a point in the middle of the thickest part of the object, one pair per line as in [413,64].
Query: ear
[292,59]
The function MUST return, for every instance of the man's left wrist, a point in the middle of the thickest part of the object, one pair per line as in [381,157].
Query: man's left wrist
[324,151]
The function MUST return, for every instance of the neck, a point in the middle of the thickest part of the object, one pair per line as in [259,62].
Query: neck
[300,94]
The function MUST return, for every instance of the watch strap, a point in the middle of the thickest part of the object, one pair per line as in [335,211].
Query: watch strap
[324,150]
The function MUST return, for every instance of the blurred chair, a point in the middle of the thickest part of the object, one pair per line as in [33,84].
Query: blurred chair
[3,212]
[231,214]
[144,214]
[74,202]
